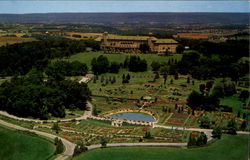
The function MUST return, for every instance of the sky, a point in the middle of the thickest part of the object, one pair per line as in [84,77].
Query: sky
[53,6]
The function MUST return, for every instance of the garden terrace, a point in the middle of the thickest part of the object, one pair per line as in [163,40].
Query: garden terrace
[90,131]
[163,98]
[167,102]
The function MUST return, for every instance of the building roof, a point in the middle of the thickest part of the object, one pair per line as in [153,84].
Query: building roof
[161,41]
[137,38]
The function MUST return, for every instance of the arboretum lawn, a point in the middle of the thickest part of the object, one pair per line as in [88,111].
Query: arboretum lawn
[228,148]
[86,57]
[16,145]
[235,103]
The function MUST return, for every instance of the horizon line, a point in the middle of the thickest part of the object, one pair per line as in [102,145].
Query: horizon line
[114,12]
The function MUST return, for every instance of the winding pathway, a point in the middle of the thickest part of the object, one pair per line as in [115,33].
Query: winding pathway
[69,147]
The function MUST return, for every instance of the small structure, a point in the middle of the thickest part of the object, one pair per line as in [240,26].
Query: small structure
[117,123]
[147,98]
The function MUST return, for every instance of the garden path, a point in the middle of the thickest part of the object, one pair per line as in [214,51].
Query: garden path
[69,147]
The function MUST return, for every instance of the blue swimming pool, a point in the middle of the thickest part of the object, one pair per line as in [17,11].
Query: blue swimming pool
[133,116]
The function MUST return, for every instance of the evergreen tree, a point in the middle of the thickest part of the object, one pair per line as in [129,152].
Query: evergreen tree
[176,76]
[191,141]
[79,148]
[102,79]
[100,65]
[232,126]
[59,147]
[171,81]
[104,142]
[148,135]
[205,122]
[128,77]
[244,95]
[155,66]
[243,125]
[114,67]
[56,128]
[194,100]
[217,132]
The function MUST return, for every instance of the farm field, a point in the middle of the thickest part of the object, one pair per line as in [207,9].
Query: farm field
[17,145]
[13,40]
[221,149]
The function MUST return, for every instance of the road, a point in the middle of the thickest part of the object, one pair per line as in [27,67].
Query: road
[69,147]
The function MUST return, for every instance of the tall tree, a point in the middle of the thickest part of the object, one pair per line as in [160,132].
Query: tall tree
[100,65]
[195,100]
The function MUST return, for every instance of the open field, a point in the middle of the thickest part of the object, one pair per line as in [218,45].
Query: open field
[16,145]
[86,57]
[228,148]
[12,40]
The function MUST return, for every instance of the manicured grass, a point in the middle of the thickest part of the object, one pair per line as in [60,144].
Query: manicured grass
[86,57]
[228,148]
[233,102]
[16,145]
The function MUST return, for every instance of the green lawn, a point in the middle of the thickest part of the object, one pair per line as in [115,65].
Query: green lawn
[86,57]
[233,102]
[228,148]
[16,145]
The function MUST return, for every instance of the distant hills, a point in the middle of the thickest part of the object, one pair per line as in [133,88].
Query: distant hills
[166,18]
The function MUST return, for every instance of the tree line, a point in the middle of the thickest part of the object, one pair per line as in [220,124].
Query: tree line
[101,64]
[208,97]
[34,96]
[208,60]
[20,58]
[66,68]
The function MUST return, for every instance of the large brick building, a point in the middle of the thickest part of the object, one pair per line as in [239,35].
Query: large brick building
[131,44]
